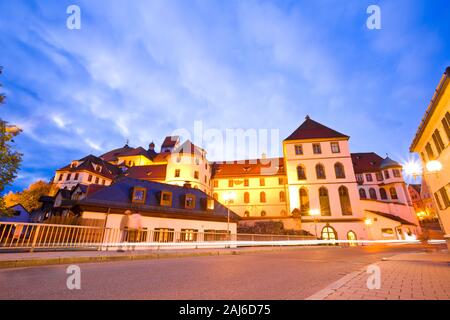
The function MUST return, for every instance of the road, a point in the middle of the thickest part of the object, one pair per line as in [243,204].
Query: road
[287,274]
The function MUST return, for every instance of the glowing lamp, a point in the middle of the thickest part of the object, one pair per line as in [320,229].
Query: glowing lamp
[434,166]
[314,212]
[413,168]
[368,222]
[229,196]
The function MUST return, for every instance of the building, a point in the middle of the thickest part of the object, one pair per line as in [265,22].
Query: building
[317,186]
[17,214]
[422,201]
[166,212]
[432,142]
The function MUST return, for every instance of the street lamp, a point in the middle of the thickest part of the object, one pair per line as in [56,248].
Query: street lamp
[434,166]
[229,197]
[315,213]
[368,222]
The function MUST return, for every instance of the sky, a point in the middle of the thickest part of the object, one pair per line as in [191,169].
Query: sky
[138,71]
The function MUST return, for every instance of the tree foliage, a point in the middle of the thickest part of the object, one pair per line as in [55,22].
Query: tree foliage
[29,198]
[9,158]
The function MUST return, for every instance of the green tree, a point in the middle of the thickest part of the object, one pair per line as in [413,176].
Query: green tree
[9,158]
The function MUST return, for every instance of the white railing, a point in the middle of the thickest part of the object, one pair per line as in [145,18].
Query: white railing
[31,236]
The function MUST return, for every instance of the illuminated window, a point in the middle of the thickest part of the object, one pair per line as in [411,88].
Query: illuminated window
[299,149]
[320,171]
[210,204]
[189,201]
[196,174]
[263,213]
[246,214]
[166,199]
[304,202]
[317,149]
[139,195]
[188,235]
[324,202]
[177,173]
[335,147]
[328,233]
[301,172]
[163,235]
[339,170]
[344,198]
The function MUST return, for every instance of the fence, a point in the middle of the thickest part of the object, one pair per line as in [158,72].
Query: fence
[31,236]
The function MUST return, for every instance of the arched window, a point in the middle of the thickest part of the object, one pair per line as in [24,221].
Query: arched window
[246,197]
[345,201]
[328,233]
[263,213]
[215,196]
[351,236]
[320,171]
[246,214]
[393,193]
[324,202]
[262,197]
[372,194]
[383,194]
[282,196]
[339,170]
[362,193]
[304,202]
[301,172]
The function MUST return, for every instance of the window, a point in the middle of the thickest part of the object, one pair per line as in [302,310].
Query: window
[387,232]
[299,149]
[383,194]
[263,213]
[345,201]
[379,176]
[328,233]
[246,197]
[444,196]
[69,175]
[230,183]
[262,182]
[282,196]
[324,202]
[429,151]
[393,193]
[196,175]
[77,175]
[216,183]
[210,204]
[320,171]
[103,182]
[246,184]
[446,125]
[359,178]
[372,194]
[262,197]
[335,147]
[90,178]
[177,173]
[438,141]
[304,202]
[215,196]
[97,179]
[163,235]
[139,195]
[188,235]
[386,174]
[339,170]
[369,177]
[246,214]
[316,148]
[280,181]
[189,201]
[60,176]
[301,172]
[438,201]
[166,199]
[397,173]
[205,180]
[362,194]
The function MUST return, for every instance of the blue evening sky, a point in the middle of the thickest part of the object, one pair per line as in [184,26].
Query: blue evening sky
[139,70]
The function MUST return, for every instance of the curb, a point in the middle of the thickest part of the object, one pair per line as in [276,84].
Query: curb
[21,263]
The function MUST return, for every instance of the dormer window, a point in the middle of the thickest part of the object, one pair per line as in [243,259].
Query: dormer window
[74,164]
[139,195]
[166,199]
[189,201]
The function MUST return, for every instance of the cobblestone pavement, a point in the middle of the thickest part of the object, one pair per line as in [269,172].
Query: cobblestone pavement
[411,276]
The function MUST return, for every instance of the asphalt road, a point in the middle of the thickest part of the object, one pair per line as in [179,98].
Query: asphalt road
[287,274]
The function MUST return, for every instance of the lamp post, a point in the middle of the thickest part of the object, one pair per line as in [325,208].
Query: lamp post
[315,213]
[229,198]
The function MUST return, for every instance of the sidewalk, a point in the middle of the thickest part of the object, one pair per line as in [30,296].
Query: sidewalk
[409,276]
[27,259]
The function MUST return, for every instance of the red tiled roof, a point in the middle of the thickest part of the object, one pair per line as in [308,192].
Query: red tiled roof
[366,162]
[108,170]
[256,167]
[152,172]
[311,129]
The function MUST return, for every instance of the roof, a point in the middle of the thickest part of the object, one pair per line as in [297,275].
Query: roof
[151,172]
[14,207]
[189,148]
[113,154]
[388,163]
[311,129]
[392,217]
[255,167]
[108,170]
[366,162]
[443,83]
[118,196]
[170,141]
